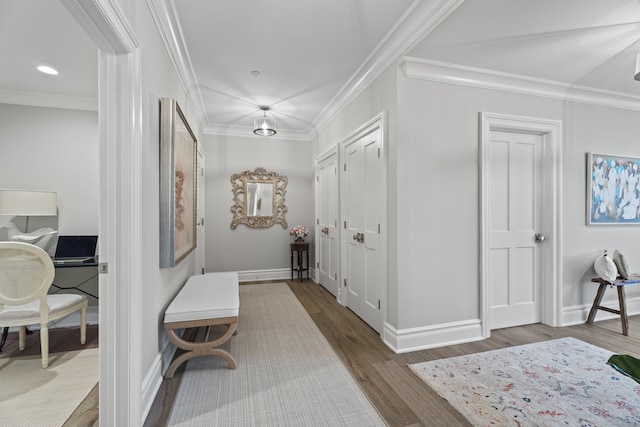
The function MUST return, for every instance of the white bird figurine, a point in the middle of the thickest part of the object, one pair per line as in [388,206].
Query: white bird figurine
[40,237]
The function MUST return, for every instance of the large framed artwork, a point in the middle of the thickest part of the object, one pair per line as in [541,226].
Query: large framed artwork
[613,191]
[178,157]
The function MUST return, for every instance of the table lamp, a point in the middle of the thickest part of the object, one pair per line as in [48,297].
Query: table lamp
[28,203]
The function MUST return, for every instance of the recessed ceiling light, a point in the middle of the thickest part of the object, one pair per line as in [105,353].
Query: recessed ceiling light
[255,73]
[47,70]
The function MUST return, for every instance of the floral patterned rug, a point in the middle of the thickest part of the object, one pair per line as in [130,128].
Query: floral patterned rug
[563,382]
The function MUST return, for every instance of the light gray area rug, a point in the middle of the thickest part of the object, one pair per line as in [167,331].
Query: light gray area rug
[287,373]
[31,396]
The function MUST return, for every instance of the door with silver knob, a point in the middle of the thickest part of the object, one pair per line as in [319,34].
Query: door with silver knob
[364,208]
[327,242]
[514,216]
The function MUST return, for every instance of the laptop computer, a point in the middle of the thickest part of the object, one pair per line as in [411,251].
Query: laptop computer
[75,249]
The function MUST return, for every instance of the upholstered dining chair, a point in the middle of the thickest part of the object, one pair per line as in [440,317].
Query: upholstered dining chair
[26,273]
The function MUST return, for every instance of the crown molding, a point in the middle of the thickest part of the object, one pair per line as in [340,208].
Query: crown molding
[48,100]
[164,15]
[417,22]
[247,132]
[417,68]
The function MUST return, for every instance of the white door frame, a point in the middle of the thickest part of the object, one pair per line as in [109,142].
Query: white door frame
[120,249]
[551,217]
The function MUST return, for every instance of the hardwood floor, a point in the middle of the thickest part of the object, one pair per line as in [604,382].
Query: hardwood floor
[60,339]
[400,397]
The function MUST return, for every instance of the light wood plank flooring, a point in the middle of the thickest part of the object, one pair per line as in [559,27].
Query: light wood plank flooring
[400,397]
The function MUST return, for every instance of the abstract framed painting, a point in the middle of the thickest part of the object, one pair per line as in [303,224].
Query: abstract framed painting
[613,189]
[178,158]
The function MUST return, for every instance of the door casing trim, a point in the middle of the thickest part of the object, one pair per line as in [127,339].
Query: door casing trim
[551,217]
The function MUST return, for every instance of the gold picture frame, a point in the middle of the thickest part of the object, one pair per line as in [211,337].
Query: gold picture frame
[249,188]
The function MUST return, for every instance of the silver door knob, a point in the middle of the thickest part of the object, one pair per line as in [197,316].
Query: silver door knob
[539,238]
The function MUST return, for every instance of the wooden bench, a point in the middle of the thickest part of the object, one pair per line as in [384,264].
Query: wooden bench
[205,300]
[622,302]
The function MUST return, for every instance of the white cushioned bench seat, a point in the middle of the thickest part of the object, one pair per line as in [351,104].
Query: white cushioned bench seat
[204,300]
[205,296]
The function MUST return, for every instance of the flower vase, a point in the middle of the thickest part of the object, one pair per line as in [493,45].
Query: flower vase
[299,239]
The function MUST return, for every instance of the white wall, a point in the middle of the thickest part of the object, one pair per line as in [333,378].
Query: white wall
[439,138]
[590,128]
[55,150]
[158,286]
[433,194]
[438,196]
[256,250]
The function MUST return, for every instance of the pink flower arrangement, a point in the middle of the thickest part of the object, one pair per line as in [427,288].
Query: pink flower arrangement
[299,231]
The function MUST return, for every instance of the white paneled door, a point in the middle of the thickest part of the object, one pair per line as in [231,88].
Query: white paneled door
[514,208]
[364,210]
[328,195]
[200,230]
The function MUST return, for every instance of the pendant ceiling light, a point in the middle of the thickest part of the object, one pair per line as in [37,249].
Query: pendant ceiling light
[264,126]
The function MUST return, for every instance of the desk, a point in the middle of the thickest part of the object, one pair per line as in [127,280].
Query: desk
[300,249]
[622,302]
[76,286]
[54,289]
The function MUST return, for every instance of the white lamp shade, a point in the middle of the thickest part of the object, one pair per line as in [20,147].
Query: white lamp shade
[28,203]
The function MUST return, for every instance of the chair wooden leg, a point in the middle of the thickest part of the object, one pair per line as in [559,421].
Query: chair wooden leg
[44,344]
[21,335]
[83,324]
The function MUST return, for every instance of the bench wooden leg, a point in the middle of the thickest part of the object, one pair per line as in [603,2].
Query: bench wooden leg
[596,303]
[623,310]
[206,348]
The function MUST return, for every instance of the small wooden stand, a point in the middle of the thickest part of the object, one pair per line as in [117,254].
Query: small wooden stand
[300,249]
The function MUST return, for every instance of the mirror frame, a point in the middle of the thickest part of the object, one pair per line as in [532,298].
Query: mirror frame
[239,209]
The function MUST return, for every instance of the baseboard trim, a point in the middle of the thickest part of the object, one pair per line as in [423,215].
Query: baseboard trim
[578,314]
[153,380]
[414,339]
[274,274]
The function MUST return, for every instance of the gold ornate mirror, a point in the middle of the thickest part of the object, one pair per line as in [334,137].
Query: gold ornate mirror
[258,199]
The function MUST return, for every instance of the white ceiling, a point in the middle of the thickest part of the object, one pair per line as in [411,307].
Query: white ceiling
[41,32]
[312,55]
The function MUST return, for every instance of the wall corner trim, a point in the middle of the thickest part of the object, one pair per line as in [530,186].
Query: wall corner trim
[432,336]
